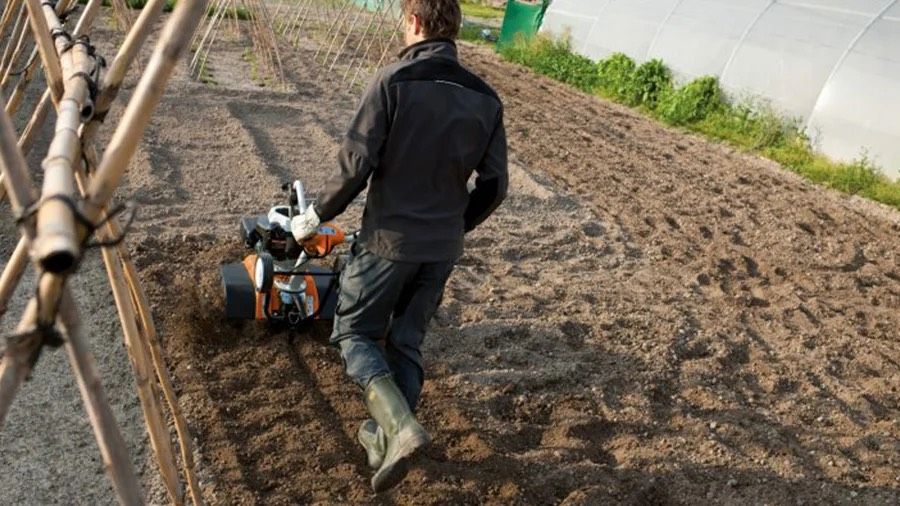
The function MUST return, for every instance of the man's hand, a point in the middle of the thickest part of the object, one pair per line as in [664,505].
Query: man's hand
[304,226]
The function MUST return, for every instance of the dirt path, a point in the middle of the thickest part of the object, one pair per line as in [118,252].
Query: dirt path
[649,318]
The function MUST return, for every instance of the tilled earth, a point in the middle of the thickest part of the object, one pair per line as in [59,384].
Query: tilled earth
[648,319]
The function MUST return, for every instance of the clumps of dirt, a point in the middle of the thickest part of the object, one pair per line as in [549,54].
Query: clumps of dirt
[648,319]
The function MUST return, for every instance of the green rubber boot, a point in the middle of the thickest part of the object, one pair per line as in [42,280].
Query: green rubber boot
[372,439]
[405,437]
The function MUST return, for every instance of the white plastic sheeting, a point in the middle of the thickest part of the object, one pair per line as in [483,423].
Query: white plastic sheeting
[833,63]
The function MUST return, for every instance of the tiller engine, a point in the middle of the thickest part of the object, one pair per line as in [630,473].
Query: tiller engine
[279,281]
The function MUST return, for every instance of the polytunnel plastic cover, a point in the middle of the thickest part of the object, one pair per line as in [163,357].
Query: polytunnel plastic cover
[833,63]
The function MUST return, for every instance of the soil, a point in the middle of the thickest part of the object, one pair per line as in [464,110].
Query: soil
[649,318]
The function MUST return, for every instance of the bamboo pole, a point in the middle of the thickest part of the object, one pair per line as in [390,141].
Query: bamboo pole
[19,355]
[29,134]
[116,460]
[335,28]
[112,83]
[8,10]
[18,94]
[148,334]
[210,32]
[17,30]
[369,34]
[200,29]
[115,74]
[343,45]
[317,12]
[289,29]
[278,9]
[87,17]
[16,362]
[268,40]
[17,359]
[121,148]
[137,343]
[14,57]
[41,30]
[162,374]
[12,274]
[57,247]
[16,179]
[383,52]
[138,354]
[127,136]
[137,114]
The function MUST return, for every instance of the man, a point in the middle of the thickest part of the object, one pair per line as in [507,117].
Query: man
[424,125]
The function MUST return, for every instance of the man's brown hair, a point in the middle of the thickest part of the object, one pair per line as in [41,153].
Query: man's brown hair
[440,18]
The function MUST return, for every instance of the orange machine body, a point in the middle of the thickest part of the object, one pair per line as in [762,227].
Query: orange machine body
[274,299]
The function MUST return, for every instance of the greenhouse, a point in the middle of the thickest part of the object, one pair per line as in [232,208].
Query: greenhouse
[835,64]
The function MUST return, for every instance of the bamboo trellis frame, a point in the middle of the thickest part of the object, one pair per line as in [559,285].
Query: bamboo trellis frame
[55,225]
[347,34]
[259,30]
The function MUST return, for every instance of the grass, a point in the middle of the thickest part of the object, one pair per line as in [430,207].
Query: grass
[476,9]
[478,33]
[701,106]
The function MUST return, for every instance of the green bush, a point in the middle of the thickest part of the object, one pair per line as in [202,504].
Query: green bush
[555,59]
[690,103]
[616,75]
[651,80]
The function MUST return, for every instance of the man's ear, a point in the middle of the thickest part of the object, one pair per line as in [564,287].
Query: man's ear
[419,27]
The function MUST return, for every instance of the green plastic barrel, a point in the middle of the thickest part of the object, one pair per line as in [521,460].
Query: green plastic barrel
[523,18]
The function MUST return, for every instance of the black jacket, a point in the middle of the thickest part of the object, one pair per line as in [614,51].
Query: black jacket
[424,125]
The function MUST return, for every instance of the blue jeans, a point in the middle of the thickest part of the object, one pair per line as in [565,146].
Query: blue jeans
[382,299]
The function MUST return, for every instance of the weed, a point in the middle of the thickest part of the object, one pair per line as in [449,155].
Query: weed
[691,103]
[616,74]
[555,59]
[650,81]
